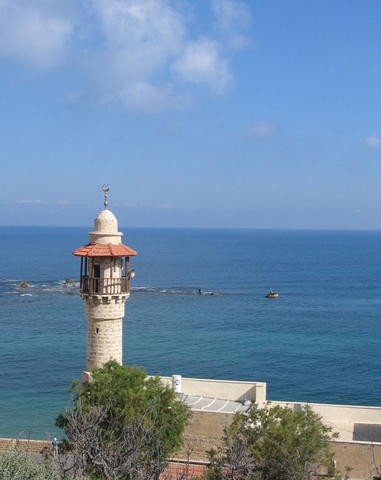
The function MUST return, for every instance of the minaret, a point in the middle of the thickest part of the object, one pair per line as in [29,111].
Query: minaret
[105,287]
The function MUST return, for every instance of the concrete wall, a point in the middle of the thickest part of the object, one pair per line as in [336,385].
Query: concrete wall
[364,458]
[353,423]
[223,389]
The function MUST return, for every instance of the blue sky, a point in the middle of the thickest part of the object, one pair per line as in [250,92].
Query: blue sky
[205,113]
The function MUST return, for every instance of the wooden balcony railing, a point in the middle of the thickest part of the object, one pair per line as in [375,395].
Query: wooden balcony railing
[104,286]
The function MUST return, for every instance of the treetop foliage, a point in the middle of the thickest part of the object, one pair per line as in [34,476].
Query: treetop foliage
[273,443]
[124,424]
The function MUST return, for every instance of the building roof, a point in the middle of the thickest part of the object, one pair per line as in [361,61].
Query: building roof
[209,404]
[184,469]
[109,250]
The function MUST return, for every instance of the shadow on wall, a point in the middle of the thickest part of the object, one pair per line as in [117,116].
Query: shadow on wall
[366,432]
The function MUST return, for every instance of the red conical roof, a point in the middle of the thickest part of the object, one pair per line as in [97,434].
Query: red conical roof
[109,250]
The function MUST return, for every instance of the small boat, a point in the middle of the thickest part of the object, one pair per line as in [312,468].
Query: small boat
[272,294]
[201,292]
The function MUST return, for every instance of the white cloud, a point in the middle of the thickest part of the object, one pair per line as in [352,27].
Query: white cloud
[373,141]
[260,130]
[139,36]
[233,16]
[143,38]
[141,53]
[139,40]
[46,203]
[36,32]
[30,202]
[201,62]
[149,97]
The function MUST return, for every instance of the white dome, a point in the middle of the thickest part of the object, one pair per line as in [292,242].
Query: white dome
[106,222]
[105,229]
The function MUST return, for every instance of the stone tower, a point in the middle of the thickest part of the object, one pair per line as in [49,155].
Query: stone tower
[105,287]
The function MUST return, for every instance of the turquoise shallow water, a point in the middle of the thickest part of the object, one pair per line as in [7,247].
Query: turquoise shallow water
[319,342]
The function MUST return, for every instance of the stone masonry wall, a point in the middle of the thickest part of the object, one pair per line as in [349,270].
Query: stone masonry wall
[104,332]
[31,446]
[205,431]
[363,458]
[105,308]
[104,342]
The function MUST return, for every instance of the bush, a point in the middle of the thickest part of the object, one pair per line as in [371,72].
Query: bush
[18,465]
[273,443]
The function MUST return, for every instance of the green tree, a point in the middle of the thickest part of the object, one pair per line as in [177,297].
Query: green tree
[123,424]
[273,443]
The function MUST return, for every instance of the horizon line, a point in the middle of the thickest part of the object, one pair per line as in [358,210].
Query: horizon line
[304,229]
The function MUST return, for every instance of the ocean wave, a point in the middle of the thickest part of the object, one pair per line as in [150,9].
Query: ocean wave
[24,287]
[71,287]
[168,291]
[174,291]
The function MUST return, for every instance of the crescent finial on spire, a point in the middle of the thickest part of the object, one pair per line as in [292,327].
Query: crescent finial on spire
[105,189]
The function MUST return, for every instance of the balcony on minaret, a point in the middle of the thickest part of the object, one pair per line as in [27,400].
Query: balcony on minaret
[104,286]
[105,269]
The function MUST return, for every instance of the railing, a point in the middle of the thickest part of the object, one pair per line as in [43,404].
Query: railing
[104,286]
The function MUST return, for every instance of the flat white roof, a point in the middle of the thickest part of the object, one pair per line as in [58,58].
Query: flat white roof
[210,404]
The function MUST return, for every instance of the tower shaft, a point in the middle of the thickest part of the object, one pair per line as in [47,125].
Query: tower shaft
[104,331]
[105,288]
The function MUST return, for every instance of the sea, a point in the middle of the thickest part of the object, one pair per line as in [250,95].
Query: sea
[318,342]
